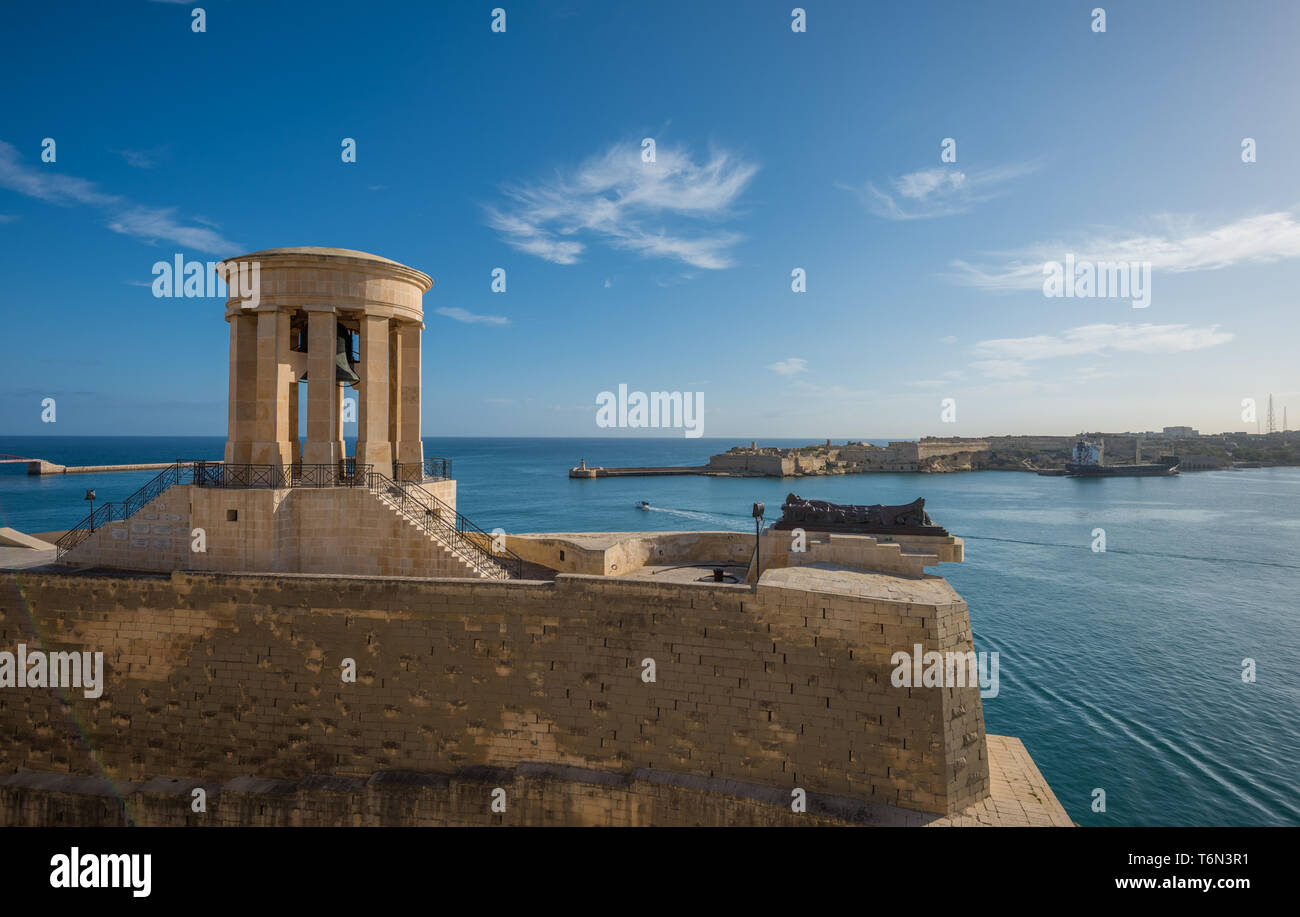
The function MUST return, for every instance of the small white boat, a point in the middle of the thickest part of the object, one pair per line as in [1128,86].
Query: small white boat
[642,504]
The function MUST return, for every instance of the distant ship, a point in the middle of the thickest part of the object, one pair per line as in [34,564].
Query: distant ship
[1087,464]
[642,504]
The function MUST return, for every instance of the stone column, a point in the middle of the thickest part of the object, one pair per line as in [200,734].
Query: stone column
[406,433]
[395,394]
[324,406]
[373,445]
[243,389]
[295,444]
[271,439]
[339,400]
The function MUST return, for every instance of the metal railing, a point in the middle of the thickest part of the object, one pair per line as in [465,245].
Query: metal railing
[448,526]
[345,473]
[432,469]
[451,528]
[110,512]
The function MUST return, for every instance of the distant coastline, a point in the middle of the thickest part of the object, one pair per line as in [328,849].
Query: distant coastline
[935,455]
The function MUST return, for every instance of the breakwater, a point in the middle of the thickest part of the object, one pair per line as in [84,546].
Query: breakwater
[40,466]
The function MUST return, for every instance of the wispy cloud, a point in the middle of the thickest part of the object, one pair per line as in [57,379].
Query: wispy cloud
[814,391]
[938,192]
[789,367]
[628,204]
[143,159]
[1001,369]
[148,223]
[154,223]
[1175,246]
[46,184]
[464,315]
[1003,354]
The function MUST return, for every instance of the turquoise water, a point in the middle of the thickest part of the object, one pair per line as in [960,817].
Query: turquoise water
[1119,670]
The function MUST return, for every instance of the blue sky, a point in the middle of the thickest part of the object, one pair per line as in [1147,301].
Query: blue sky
[774,151]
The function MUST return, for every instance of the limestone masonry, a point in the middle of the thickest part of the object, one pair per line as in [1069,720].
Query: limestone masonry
[302,637]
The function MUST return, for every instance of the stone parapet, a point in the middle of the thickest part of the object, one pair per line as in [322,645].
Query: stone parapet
[219,676]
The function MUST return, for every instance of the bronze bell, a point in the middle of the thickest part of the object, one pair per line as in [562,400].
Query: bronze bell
[345,366]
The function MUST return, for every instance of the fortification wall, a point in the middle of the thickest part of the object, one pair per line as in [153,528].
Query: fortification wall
[223,676]
[752,463]
[614,554]
[729,461]
[535,794]
[886,554]
[945,448]
[874,458]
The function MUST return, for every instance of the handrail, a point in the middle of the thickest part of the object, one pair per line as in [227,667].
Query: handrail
[450,527]
[105,513]
[433,469]
[435,519]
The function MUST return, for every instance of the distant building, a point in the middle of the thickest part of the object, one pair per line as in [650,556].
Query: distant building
[1180,431]
[930,454]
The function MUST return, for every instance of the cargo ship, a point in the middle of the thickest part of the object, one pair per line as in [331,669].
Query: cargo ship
[1087,464]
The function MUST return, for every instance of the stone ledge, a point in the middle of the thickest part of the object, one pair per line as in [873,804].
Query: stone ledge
[545,794]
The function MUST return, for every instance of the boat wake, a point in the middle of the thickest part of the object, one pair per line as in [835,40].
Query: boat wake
[696,516]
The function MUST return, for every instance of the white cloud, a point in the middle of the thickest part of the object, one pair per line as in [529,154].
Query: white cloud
[142,159]
[628,204]
[148,223]
[920,185]
[48,185]
[789,367]
[463,315]
[1176,248]
[950,339]
[1100,339]
[937,192]
[1001,369]
[156,223]
[814,392]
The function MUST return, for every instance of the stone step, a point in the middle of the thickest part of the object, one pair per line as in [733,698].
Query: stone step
[460,556]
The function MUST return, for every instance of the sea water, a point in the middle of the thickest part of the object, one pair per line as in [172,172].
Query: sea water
[1121,670]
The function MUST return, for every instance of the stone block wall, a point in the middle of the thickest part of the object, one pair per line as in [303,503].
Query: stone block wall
[617,554]
[535,794]
[300,530]
[907,558]
[223,676]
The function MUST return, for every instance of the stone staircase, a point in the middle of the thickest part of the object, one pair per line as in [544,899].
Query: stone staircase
[437,523]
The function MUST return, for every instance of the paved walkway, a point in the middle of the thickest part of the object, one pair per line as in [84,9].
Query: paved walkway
[1019,797]
[22,558]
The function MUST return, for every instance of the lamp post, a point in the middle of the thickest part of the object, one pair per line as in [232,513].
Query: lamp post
[758,560]
[90,495]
